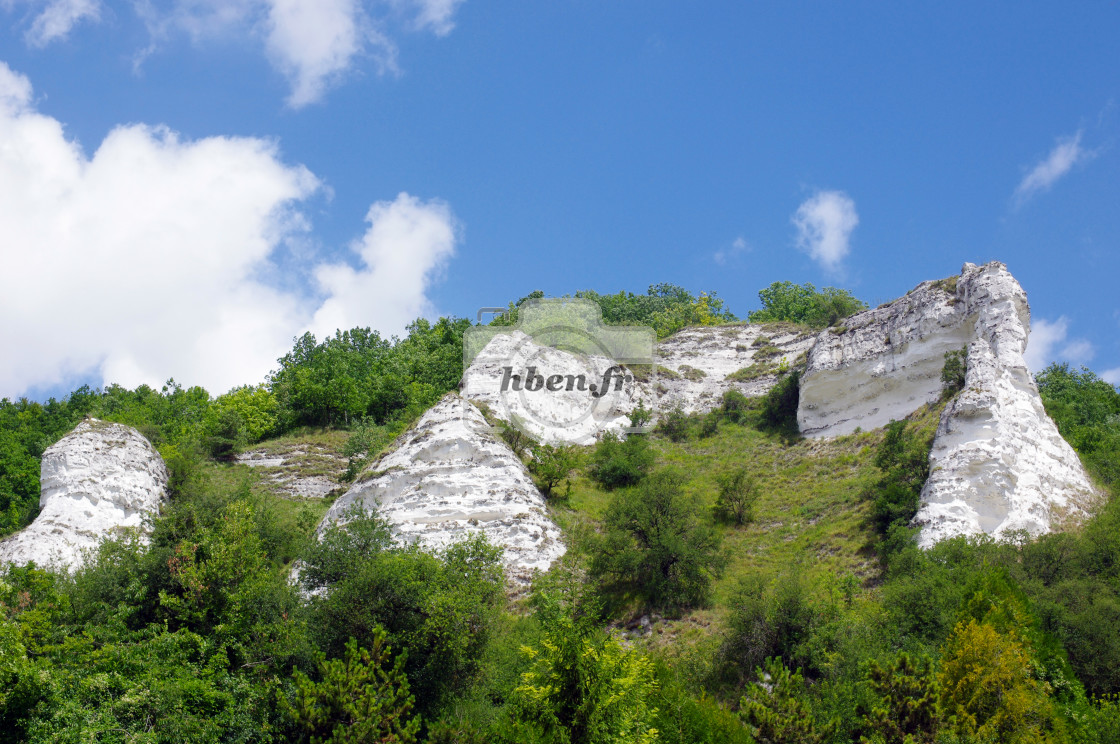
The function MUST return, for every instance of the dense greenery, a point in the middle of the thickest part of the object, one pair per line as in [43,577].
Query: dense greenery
[803,303]
[800,609]
[666,308]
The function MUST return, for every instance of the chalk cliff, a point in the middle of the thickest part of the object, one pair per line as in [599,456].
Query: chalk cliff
[450,475]
[98,481]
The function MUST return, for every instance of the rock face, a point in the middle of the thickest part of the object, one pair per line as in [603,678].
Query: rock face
[449,475]
[694,369]
[998,462]
[98,481]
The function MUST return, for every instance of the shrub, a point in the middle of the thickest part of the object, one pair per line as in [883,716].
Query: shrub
[620,462]
[738,492]
[735,406]
[709,425]
[655,546]
[552,464]
[360,697]
[804,304]
[778,710]
[903,458]
[953,373]
[675,425]
[640,416]
[779,407]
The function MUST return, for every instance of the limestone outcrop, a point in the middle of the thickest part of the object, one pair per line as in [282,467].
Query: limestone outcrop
[98,481]
[450,475]
[998,462]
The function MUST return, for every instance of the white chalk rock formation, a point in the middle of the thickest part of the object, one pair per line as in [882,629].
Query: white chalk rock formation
[693,370]
[561,415]
[998,462]
[700,364]
[98,481]
[448,476]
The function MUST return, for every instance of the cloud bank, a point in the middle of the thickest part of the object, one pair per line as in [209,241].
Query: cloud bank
[824,228]
[145,259]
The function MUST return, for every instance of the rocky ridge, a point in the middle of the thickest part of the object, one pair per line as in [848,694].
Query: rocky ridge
[449,475]
[101,480]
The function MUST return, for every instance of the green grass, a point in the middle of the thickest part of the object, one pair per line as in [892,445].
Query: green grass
[811,516]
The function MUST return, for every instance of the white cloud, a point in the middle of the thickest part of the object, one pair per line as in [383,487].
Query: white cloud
[1111,375]
[1049,342]
[144,260]
[738,247]
[1066,153]
[408,242]
[436,15]
[824,226]
[53,19]
[313,43]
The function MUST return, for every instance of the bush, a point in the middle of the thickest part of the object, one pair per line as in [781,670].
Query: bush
[903,458]
[735,406]
[675,425]
[656,547]
[779,407]
[953,373]
[552,464]
[738,492]
[804,304]
[620,462]
[359,697]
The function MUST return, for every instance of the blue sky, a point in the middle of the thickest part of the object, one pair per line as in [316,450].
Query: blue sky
[186,185]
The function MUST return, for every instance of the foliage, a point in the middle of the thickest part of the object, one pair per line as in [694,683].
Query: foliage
[802,303]
[903,458]
[657,547]
[582,686]
[779,407]
[360,698]
[738,492]
[734,406]
[777,708]
[640,416]
[907,709]
[439,607]
[552,464]
[1087,412]
[767,621]
[674,424]
[617,463]
[953,372]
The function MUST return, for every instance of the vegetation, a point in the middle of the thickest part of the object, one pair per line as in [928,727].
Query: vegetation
[798,607]
[802,303]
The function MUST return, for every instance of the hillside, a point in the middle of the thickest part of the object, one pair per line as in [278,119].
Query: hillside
[695,553]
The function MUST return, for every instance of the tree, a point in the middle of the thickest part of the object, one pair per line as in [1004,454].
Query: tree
[953,372]
[779,407]
[903,459]
[616,462]
[907,709]
[777,708]
[552,464]
[655,544]
[738,492]
[802,303]
[360,697]
[582,686]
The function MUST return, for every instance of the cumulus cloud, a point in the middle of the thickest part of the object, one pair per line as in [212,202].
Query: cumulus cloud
[824,227]
[1066,154]
[1112,376]
[53,19]
[145,260]
[738,247]
[408,242]
[1049,342]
